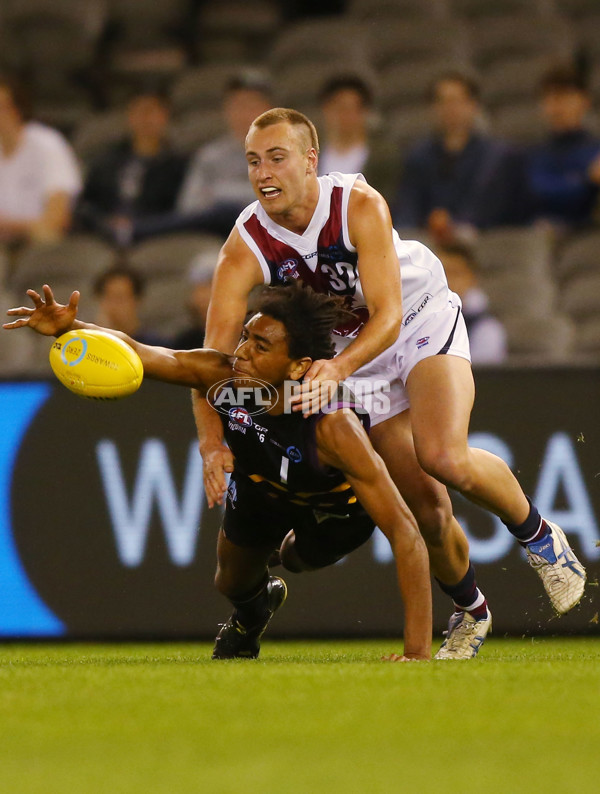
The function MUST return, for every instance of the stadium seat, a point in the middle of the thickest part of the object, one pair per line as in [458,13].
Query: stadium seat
[163,307]
[22,353]
[150,39]
[298,85]
[524,35]
[587,338]
[402,9]
[580,295]
[577,9]
[142,23]
[190,130]
[477,9]
[407,125]
[413,40]
[587,28]
[314,41]
[236,28]
[520,123]
[539,340]
[202,87]
[580,254]
[44,35]
[506,82]
[171,255]
[515,250]
[408,83]
[416,233]
[4,266]
[73,263]
[96,131]
[515,294]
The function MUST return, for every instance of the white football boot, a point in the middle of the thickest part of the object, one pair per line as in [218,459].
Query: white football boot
[465,636]
[562,575]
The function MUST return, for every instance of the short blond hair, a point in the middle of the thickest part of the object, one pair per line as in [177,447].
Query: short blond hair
[289,116]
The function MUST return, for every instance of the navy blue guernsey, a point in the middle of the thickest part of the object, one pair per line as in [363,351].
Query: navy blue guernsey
[278,454]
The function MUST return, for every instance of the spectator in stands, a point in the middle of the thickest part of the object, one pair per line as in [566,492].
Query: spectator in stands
[216,186]
[119,292]
[459,179]
[487,335]
[136,178]
[350,145]
[564,171]
[200,278]
[39,174]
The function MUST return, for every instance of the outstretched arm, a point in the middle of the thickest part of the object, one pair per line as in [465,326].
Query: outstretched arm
[343,443]
[198,368]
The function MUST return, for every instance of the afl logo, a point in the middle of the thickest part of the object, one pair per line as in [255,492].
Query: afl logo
[287,270]
[241,416]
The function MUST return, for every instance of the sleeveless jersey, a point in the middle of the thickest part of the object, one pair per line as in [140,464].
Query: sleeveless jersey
[324,257]
[279,455]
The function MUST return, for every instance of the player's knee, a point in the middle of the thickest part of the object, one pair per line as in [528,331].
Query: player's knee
[448,466]
[222,580]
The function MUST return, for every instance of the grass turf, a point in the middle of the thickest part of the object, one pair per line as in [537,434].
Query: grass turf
[307,717]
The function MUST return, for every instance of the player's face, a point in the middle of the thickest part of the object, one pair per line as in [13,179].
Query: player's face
[263,352]
[280,163]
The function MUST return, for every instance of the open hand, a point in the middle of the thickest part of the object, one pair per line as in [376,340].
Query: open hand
[318,387]
[47,317]
[218,461]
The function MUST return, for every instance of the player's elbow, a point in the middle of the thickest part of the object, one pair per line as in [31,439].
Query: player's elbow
[392,323]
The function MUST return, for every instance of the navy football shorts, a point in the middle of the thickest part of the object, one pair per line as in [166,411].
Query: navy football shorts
[253,519]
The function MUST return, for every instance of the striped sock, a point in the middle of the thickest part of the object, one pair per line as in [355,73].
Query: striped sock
[466,595]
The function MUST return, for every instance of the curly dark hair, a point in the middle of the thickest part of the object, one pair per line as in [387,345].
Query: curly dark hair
[308,317]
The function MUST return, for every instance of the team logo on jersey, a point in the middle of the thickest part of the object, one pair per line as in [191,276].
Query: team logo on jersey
[424,340]
[294,454]
[252,396]
[241,416]
[288,269]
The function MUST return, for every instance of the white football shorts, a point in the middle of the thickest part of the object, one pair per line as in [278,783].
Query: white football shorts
[380,384]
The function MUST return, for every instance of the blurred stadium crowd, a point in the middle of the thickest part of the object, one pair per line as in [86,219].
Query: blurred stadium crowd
[122,165]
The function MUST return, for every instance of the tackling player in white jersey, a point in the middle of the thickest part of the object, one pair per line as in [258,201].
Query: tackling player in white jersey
[328,231]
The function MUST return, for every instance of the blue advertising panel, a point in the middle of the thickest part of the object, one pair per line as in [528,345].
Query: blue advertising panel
[105,532]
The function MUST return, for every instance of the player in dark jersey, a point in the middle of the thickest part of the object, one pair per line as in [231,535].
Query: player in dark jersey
[309,491]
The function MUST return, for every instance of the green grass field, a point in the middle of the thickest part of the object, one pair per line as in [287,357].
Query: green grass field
[307,717]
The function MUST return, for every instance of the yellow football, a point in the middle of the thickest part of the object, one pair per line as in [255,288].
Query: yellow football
[96,365]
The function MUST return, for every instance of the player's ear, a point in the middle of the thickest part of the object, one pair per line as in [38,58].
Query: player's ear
[299,368]
[312,161]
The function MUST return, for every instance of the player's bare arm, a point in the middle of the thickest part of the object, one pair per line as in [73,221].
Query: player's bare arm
[197,368]
[370,229]
[236,274]
[343,443]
